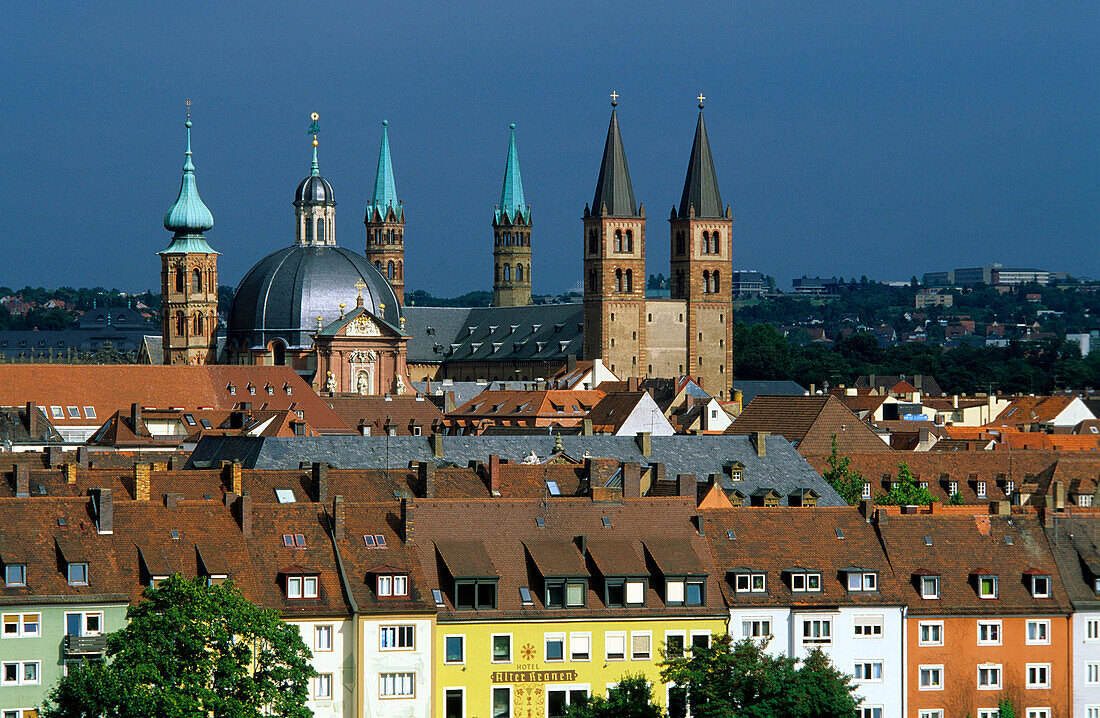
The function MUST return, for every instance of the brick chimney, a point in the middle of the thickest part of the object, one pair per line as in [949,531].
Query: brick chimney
[632,480]
[658,471]
[53,457]
[407,524]
[867,508]
[632,383]
[142,474]
[70,473]
[135,417]
[319,482]
[172,500]
[425,475]
[104,510]
[246,515]
[338,518]
[645,443]
[760,442]
[686,485]
[436,442]
[32,419]
[1000,508]
[1059,495]
[82,457]
[494,474]
[22,480]
[235,477]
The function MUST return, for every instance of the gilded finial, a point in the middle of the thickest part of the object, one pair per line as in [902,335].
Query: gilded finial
[614,98]
[314,129]
[700,98]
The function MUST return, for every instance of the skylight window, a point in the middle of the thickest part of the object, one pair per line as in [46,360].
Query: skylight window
[57,412]
[368,540]
[89,411]
[731,535]
[299,541]
[525,596]
[606,521]
[380,541]
[927,540]
[553,488]
[288,541]
[189,419]
[74,412]
[839,533]
[206,424]
[437,596]
[540,522]
[175,534]
[284,496]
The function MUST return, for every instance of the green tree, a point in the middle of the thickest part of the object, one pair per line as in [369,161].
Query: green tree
[1005,709]
[741,679]
[192,651]
[847,482]
[905,491]
[632,698]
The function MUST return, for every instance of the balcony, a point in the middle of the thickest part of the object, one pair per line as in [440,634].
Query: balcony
[85,645]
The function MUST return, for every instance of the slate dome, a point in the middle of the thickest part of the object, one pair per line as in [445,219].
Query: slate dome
[284,293]
[314,190]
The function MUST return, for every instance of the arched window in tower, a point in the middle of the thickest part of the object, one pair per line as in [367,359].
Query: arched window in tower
[181,324]
[507,272]
[391,270]
[618,280]
[618,240]
[629,241]
[196,325]
[714,239]
[278,353]
[196,281]
[593,242]
[714,278]
[400,270]
[180,281]
[629,280]
[320,230]
[706,242]
[309,230]
[519,272]
[679,243]
[378,265]
[706,281]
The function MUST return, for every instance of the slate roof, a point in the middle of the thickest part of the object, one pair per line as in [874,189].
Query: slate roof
[750,389]
[543,332]
[614,193]
[808,422]
[15,426]
[782,468]
[701,184]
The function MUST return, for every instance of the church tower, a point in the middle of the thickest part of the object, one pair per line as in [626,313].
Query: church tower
[512,238]
[189,276]
[385,221]
[614,265]
[701,266]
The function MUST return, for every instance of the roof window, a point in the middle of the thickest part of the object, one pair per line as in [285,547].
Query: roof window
[57,412]
[302,586]
[525,596]
[1040,585]
[748,582]
[553,488]
[284,496]
[89,412]
[189,419]
[987,584]
[860,580]
[801,582]
[74,412]
[374,540]
[606,520]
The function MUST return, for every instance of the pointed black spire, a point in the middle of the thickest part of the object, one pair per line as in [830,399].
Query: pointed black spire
[614,194]
[701,184]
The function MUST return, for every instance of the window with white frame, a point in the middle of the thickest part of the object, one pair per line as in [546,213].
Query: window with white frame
[15,574]
[502,648]
[559,698]
[981,490]
[555,647]
[866,490]
[580,646]
[930,633]
[756,627]
[1038,675]
[454,649]
[674,643]
[870,712]
[862,581]
[1038,713]
[397,685]
[930,713]
[22,625]
[987,586]
[20,673]
[1084,500]
[641,645]
[953,487]
[1038,632]
[930,678]
[805,582]
[397,638]
[1092,629]
[615,645]
[301,587]
[989,677]
[1092,674]
[868,671]
[1092,711]
[867,626]
[929,586]
[748,582]
[322,638]
[1040,586]
[989,633]
[817,631]
[322,686]
[989,713]
[502,702]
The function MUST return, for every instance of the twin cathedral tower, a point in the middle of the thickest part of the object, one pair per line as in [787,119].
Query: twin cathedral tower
[287,309]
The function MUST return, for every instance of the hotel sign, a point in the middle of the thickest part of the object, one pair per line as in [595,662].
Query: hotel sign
[534,676]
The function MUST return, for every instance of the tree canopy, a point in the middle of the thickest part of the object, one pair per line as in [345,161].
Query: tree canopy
[632,698]
[191,651]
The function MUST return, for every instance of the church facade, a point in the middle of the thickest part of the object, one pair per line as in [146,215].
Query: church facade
[339,317]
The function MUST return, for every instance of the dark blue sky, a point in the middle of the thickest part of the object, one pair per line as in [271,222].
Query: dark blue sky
[884,139]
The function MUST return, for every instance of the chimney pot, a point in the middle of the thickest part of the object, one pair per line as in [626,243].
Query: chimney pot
[338,518]
[586,427]
[632,383]
[53,457]
[867,508]
[22,480]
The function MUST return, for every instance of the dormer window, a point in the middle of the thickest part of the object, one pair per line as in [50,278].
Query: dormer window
[620,592]
[866,490]
[15,574]
[748,582]
[1040,586]
[981,489]
[77,574]
[862,581]
[301,586]
[801,582]
[563,593]
[392,586]
[929,587]
[987,585]
[952,487]
[473,575]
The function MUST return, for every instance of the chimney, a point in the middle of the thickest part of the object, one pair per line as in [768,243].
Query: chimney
[407,525]
[22,480]
[53,457]
[494,475]
[235,477]
[425,474]
[104,510]
[689,401]
[32,419]
[69,471]
[686,485]
[82,456]
[1059,491]
[760,442]
[881,516]
[632,480]
[813,389]
[571,362]
[582,544]
[867,508]
[338,518]
[230,498]
[871,381]
[449,401]
[738,395]
[320,482]
[658,471]
[586,427]
[632,383]
[142,474]
[924,435]
[954,401]
[1000,508]
[172,500]
[644,440]
[436,442]
[135,417]
[918,382]
[246,515]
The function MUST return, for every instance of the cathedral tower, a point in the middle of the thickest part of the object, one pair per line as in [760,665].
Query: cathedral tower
[701,266]
[614,265]
[189,276]
[385,221]
[315,207]
[512,238]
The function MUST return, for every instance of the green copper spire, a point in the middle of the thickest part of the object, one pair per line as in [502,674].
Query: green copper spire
[385,189]
[512,205]
[314,129]
[188,217]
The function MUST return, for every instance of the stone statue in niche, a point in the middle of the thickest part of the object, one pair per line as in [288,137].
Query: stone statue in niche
[400,385]
[361,385]
[330,384]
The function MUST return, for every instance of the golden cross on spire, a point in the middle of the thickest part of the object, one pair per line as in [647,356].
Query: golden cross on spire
[188,103]
[701,97]
[360,285]
[614,98]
